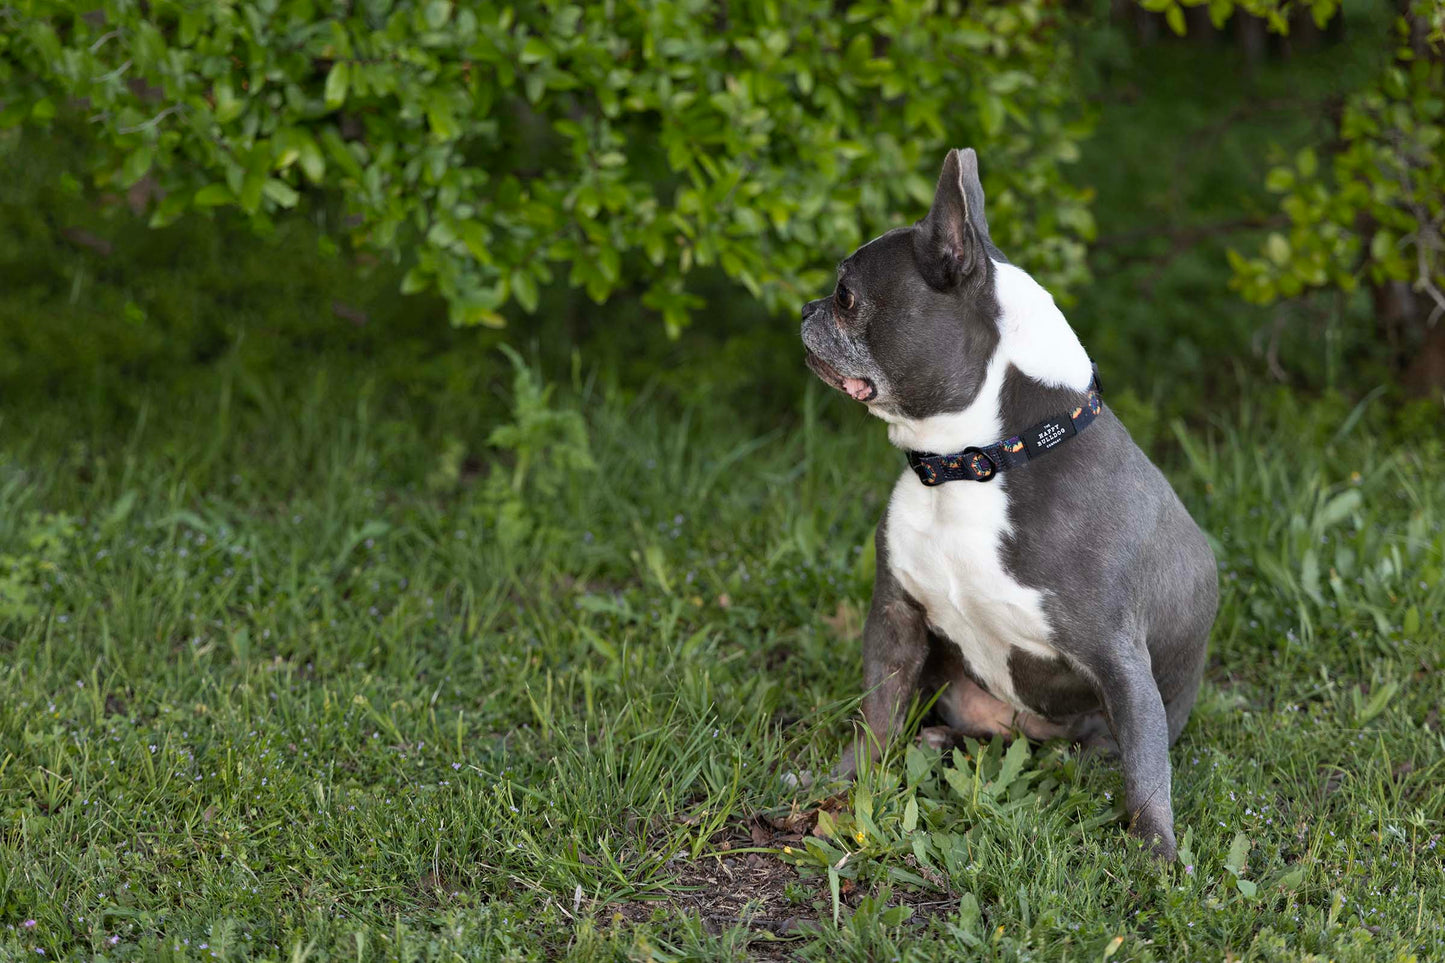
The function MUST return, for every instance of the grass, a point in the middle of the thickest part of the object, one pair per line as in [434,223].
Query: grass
[280,684]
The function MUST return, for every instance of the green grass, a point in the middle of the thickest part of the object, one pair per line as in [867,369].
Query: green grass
[278,682]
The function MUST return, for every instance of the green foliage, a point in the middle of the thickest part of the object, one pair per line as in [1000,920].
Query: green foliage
[1179,179]
[908,823]
[1310,552]
[492,147]
[547,445]
[1276,13]
[29,570]
[1374,211]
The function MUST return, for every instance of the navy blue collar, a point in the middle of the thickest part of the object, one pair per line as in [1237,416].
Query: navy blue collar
[982,464]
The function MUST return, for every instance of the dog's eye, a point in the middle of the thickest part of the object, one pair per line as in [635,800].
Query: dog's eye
[845,297]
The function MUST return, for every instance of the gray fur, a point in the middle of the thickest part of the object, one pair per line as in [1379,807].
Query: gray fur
[929,370]
[1129,579]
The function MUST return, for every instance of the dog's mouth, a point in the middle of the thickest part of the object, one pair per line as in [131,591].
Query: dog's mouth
[859,389]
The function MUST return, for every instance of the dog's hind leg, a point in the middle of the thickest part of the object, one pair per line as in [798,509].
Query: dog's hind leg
[971,711]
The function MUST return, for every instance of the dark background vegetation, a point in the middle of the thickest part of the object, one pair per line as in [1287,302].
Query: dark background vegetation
[1184,132]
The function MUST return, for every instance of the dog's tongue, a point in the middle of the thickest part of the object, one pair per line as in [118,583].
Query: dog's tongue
[858,389]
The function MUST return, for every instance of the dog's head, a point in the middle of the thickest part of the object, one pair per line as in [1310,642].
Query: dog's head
[911,325]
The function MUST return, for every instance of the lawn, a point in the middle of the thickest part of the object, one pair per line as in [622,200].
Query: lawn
[329,640]
[283,681]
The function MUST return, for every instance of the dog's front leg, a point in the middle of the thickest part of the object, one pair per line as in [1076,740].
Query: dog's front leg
[895,646]
[1136,717]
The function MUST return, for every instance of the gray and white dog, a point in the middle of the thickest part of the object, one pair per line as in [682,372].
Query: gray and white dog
[1070,597]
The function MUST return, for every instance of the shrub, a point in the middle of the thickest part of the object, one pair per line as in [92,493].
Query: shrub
[1374,210]
[496,149]
[1379,215]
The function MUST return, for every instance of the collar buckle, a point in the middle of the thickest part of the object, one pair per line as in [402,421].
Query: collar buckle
[980,464]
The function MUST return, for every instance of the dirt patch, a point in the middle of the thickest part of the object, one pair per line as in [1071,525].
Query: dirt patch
[761,892]
[757,891]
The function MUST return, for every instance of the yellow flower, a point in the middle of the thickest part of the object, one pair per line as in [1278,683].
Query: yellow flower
[787,849]
[860,836]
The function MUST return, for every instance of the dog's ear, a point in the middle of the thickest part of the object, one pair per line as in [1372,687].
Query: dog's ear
[952,241]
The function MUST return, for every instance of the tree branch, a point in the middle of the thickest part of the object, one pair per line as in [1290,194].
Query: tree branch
[149,124]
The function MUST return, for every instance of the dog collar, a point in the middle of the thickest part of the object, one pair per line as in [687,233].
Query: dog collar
[982,464]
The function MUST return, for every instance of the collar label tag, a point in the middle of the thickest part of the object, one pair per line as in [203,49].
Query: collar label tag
[1047,434]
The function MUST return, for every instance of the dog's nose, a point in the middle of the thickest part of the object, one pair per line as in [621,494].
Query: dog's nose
[810,307]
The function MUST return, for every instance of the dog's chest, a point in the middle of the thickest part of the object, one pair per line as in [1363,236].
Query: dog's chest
[945,550]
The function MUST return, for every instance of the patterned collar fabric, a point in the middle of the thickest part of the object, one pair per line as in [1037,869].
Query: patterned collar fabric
[982,464]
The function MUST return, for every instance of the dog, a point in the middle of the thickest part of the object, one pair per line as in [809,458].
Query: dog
[1032,563]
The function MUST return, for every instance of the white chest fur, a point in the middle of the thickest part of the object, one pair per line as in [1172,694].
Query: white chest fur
[945,543]
[944,550]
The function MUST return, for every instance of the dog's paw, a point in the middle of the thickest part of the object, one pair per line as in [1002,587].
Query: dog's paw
[1156,831]
[1161,847]
[941,738]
